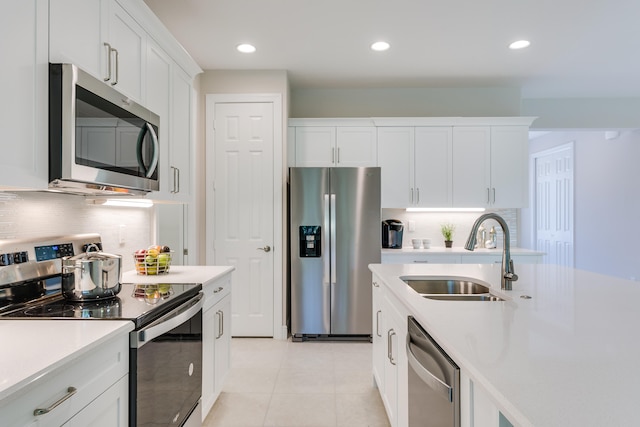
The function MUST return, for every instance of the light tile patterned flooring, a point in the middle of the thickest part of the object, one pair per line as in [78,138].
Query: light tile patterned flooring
[298,384]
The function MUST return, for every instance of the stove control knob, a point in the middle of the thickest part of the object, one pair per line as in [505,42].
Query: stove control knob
[5,260]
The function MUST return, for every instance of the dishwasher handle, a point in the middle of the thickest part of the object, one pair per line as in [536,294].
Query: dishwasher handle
[443,389]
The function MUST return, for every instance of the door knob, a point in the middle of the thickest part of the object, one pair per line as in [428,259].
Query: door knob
[266,249]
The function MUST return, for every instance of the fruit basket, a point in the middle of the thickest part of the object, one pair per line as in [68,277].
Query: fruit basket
[153,260]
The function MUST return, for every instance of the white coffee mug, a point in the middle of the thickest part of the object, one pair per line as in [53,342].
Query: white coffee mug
[426,243]
[416,243]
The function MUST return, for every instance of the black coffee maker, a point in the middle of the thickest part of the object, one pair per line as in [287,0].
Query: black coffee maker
[392,234]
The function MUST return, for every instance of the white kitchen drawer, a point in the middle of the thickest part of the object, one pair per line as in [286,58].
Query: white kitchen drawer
[91,374]
[215,291]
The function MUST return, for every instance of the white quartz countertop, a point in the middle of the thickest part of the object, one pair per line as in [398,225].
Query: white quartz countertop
[33,348]
[566,357]
[203,274]
[441,250]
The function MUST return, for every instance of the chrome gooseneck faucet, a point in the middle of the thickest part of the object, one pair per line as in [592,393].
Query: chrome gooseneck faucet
[508,274]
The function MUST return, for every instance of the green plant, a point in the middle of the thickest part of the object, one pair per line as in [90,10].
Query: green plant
[447,231]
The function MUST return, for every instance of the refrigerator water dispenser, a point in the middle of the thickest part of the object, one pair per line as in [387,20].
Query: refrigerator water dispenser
[310,241]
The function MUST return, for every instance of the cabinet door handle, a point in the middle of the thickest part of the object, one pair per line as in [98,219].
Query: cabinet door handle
[378,323]
[494,195]
[421,261]
[338,160]
[108,77]
[390,335]
[176,180]
[376,284]
[218,289]
[117,79]
[41,411]
[220,315]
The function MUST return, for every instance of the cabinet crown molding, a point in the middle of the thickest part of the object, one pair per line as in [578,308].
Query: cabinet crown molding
[414,121]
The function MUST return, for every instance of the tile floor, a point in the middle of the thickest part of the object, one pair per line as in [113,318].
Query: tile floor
[302,384]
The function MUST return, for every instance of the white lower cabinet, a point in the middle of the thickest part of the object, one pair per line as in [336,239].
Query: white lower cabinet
[108,410]
[216,340]
[390,315]
[389,355]
[100,380]
[465,258]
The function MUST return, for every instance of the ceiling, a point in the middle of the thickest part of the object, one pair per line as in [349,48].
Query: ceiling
[579,48]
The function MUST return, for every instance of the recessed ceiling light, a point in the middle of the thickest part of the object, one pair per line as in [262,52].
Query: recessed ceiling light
[246,48]
[520,44]
[380,46]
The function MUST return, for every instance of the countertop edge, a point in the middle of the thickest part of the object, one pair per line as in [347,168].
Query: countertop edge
[124,326]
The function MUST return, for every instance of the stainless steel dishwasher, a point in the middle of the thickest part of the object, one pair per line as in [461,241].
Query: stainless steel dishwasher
[434,381]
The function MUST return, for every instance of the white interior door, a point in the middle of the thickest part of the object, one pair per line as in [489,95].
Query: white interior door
[554,204]
[243,211]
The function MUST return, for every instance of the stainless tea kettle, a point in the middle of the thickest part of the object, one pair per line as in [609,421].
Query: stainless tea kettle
[91,275]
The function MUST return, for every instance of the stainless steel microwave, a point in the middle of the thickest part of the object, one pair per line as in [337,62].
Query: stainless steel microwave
[100,142]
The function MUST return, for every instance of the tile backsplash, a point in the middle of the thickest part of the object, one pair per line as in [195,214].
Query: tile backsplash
[427,225]
[37,214]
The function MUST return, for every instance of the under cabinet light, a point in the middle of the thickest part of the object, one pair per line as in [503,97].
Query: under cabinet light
[445,209]
[129,203]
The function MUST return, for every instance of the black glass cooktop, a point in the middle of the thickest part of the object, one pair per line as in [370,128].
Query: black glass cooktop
[140,303]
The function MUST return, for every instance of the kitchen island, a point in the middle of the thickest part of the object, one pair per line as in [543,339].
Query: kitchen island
[565,357]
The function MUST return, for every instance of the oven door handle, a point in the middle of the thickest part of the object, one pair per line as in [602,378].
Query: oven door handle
[166,323]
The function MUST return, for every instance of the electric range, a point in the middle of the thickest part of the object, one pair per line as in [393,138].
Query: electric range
[167,319]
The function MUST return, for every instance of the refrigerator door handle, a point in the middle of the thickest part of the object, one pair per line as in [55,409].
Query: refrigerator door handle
[325,236]
[333,239]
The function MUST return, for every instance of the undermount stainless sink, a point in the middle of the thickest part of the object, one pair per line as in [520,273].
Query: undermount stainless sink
[467,297]
[450,289]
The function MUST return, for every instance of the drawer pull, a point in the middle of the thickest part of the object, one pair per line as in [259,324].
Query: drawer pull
[41,411]
[215,291]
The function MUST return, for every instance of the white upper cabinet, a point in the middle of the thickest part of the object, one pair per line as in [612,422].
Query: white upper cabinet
[334,145]
[77,31]
[490,167]
[415,165]
[180,141]
[23,84]
[127,52]
[454,162]
[169,95]
[471,166]
[509,166]
[432,166]
[395,158]
[315,146]
[356,146]
[100,37]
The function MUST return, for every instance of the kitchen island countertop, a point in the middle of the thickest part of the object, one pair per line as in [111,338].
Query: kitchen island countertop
[566,357]
[33,348]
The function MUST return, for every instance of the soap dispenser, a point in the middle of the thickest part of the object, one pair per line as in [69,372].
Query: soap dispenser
[492,243]
[481,237]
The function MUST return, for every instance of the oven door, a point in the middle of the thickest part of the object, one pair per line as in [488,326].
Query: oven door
[166,369]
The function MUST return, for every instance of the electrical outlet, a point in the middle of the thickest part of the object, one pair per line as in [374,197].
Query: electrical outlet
[121,233]
[412,226]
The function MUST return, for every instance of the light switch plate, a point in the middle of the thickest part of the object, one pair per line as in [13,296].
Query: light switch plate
[412,226]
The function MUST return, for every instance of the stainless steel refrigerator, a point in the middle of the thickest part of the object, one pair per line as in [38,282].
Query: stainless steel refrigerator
[334,235]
